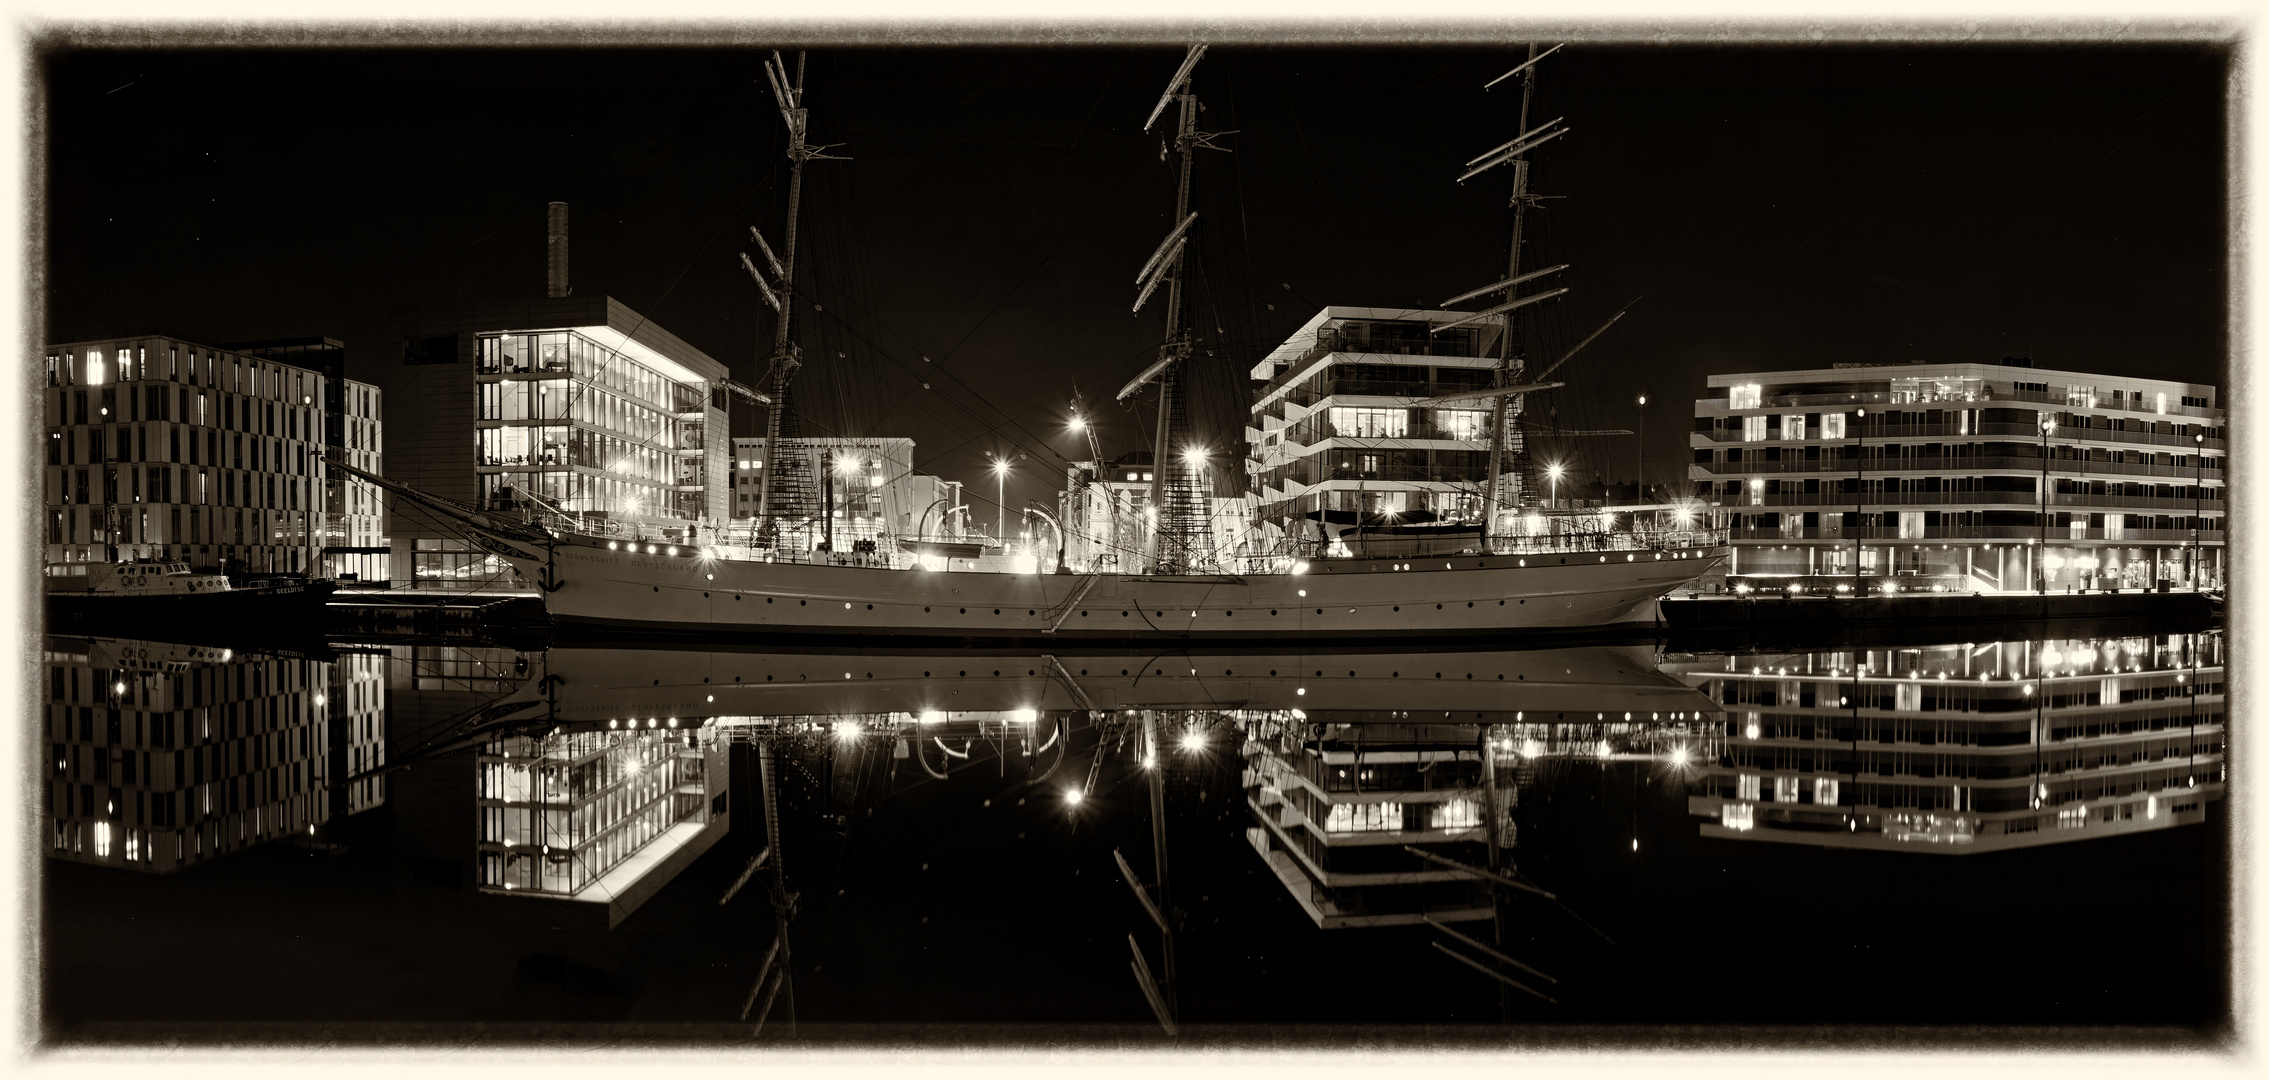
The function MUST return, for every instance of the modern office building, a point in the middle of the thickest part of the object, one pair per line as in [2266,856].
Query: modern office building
[1336,425]
[354,544]
[163,448]
[1986,477]
[1335,806]
[576,404]
[869,485]
[163,756]
[1958,749]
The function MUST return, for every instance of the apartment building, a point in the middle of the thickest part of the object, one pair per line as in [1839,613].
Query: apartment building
[1964,477]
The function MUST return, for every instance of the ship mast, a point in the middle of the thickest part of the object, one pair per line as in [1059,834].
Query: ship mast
[780,293]
[1177,488]
[1511,358]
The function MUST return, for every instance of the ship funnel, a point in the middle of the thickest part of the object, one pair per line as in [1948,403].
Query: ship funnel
[556,256]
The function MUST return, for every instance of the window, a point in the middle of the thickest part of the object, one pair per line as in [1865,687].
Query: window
[1825,792]
[1364,817]
[1470,425]
[1753,428]
[1371,423]
[1792,427]
[1745,397]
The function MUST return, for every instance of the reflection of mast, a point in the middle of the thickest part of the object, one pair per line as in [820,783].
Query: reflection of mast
[776,498]
[777,970]
[1177,489]
[1160,992]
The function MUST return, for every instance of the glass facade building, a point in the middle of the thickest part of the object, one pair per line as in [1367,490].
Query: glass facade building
[574,405]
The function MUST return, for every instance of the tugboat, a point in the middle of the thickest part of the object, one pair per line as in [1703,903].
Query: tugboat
[144,589]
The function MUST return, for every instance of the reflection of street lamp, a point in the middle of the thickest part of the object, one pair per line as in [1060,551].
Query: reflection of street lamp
[1553,473]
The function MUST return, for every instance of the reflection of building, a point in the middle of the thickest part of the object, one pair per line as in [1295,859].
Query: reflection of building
[869,484]
[598,817]
[163,756]
[577,403]
[1966,748]
[1337,804]
[354,532]
[162,448]
[356,699]
[1336,427]
[1942,476]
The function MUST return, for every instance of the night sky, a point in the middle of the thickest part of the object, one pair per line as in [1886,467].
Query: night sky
[1775,207]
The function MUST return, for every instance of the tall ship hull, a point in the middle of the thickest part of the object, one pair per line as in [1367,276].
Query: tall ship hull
[654,587]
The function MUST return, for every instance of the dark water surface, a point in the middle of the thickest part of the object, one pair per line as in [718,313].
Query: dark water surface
[2036,840]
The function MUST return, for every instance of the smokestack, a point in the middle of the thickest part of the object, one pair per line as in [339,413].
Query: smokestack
[556,257]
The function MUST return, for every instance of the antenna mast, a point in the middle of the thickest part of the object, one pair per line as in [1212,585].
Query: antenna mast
[773,493]
[1177,489]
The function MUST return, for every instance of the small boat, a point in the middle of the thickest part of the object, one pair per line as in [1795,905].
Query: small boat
[143,589]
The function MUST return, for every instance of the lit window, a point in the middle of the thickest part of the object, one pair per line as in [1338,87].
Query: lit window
[1745,397]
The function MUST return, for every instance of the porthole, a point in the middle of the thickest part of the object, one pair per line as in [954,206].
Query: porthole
[767,599]
[1398,607]
[1272,611]
[705,596]
[1319,611]
[1438,607]
[803,603]
[965,611]
[996,611]
[1032,613]
[870,607]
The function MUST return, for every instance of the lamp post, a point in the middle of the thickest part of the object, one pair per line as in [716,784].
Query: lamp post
[2198,509]
[2040,558]
[1858,495]
[1642,446]
[1000,499]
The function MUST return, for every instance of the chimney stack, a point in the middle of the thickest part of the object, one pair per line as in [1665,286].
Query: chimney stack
[556,257]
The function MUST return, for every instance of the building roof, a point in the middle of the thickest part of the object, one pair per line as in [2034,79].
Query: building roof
[1305,337]
[604,317]
[1995,371]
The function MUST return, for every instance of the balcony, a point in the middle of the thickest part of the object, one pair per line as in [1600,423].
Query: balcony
[1991,397]
[1956,464]
[1958,499]
[2015,533]
[2065,436]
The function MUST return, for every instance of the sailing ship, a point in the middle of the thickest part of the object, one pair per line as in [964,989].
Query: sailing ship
[708,582]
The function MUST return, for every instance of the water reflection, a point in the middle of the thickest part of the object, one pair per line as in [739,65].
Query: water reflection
[1976,747]
[164,756]
[1486,804]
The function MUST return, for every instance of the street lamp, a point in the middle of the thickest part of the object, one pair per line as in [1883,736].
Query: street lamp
[1553,472]
[1858,495]
[1000,497]
[2040,558]
[2198,508]
[1642,446]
